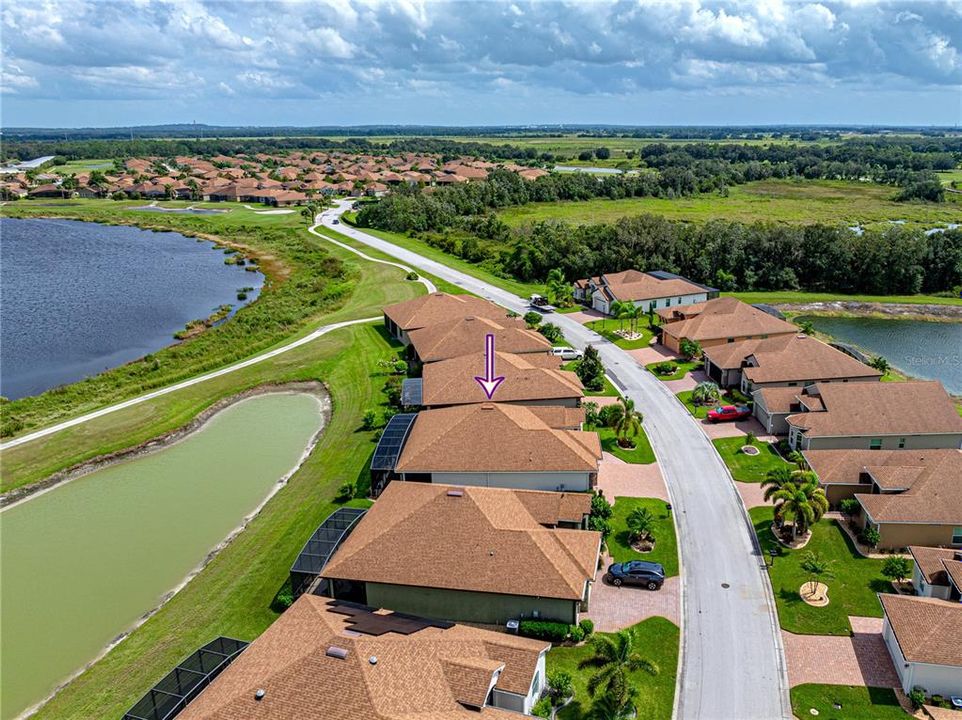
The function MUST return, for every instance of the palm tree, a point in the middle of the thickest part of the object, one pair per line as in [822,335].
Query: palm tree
[615,657]
[705,393]
[639,522]
[800,499]
[629,424]
[612,706]
[817,568]
[615,311]
[629,312]
[881,364]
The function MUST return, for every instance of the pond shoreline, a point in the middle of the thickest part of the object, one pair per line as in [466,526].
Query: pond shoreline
[316,389]
[885,311]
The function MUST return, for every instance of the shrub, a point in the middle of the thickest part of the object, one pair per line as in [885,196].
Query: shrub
[542,708]
[705,393]
[412,276]
[560,686]
[601,525]
[576,633]
[751,438]
[588,626]
[609,415]
[917,696]
[552,332]
[690,348]
[666,368]
[590,370]
[346,491]
[897,568]
[600,507]
[532,319]
[870,536]
[549,630]
[591,413]
[849,506]
[370,420]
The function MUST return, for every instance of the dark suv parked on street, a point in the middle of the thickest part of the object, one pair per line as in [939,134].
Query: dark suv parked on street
[637,572]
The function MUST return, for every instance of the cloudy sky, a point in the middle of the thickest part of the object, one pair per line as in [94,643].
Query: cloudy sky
[342,62]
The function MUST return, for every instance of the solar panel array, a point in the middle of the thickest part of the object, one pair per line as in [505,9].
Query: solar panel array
[186,681]
[412,392]
[392,440]
[321,545]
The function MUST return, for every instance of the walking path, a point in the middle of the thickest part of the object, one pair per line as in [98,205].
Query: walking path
[732,662]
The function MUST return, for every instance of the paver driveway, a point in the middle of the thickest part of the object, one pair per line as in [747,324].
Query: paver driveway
[614,608]
[616,478]
[858,660]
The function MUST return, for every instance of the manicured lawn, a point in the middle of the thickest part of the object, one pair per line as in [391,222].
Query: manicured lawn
[701,411]
[572,309]
[851,592]
[608,390]
[684,367]
[787,297]
[606,328]
[641,454]
[748,468]
[656,640]
[858,703]
[788,201]
[666,545]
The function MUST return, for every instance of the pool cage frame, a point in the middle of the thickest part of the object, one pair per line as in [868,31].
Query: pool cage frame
[307,568]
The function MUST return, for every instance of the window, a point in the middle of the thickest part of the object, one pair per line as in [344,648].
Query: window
[537,682]
[667,302]
[901,443]
[957,536]
[793,384]
[875,444]
[731,339]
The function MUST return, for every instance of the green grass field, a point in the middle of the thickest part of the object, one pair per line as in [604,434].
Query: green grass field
[656,639]
[856,703]
[641,454]
[666,544]
[853,590]
[789,201]
[788,297]
[683,368]
[606,328]
[950,176]
[748,468]
[82,166]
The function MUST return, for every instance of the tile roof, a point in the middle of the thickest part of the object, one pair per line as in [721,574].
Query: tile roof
[495,437]
[456,337]
[779,399]
[953,569]
[725,317]
[633,285]
[862,408]
[927,630]
[931,562]
[789,358]
[439,307]
[479,539]
[426,675]
[451,381]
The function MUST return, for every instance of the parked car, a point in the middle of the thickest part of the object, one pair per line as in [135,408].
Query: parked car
[336,222]
[727,413]
[636,572]
[566,353]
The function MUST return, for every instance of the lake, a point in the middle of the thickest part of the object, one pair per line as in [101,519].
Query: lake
[83,561]
[80,298]
[927,350]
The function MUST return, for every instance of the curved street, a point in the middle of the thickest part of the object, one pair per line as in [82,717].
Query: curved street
[732,664]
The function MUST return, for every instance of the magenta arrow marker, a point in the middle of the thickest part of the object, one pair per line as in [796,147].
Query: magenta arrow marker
[489,383]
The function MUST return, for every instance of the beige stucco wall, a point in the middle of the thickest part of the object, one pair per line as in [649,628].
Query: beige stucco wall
[466,606]
[891,442]
[900,535]
[552,481]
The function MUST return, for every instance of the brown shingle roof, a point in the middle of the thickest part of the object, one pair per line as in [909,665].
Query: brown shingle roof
[927,630]
[779,399]
[451,382]
[425,675]
[480,539]
[442,307]
[910,408]
[633,285]
[466,335]
[726,317]
[550,508]
[930,562]
[495,437]
[953,569]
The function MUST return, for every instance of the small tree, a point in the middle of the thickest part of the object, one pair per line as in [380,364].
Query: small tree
[880,363]
[610,415]
[691,349]
[558,289]
[640,521]
[897,568]
[870,536]
[849,506]
[806,327]
[560,685]
[590,370]
[532,319]
[751,438]
[369,421]
[629,425]
[817,567]
[705,393]
[591,413]
[346,491]
[551,332]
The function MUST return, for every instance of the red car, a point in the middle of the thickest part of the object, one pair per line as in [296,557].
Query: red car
[726,413]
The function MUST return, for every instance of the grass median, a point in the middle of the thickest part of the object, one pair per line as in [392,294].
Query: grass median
[744,467]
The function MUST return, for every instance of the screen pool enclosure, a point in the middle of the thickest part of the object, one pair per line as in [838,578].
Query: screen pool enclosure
[186,681]
[389,449]
[319,548]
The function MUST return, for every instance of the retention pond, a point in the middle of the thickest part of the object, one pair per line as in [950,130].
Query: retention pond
[85,560]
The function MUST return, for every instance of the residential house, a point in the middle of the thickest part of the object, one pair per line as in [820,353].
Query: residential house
[647,290]
[923,638]
[782,361]
[426,310]
[501,445]
[717,322]
[875,416]
[912,497]
[467,335]
[469,554]
[326,660]
[453,381]
[937,572]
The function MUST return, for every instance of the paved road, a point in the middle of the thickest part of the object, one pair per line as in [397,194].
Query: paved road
[732,660]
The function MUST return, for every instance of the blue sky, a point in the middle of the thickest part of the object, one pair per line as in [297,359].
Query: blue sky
[340,62]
